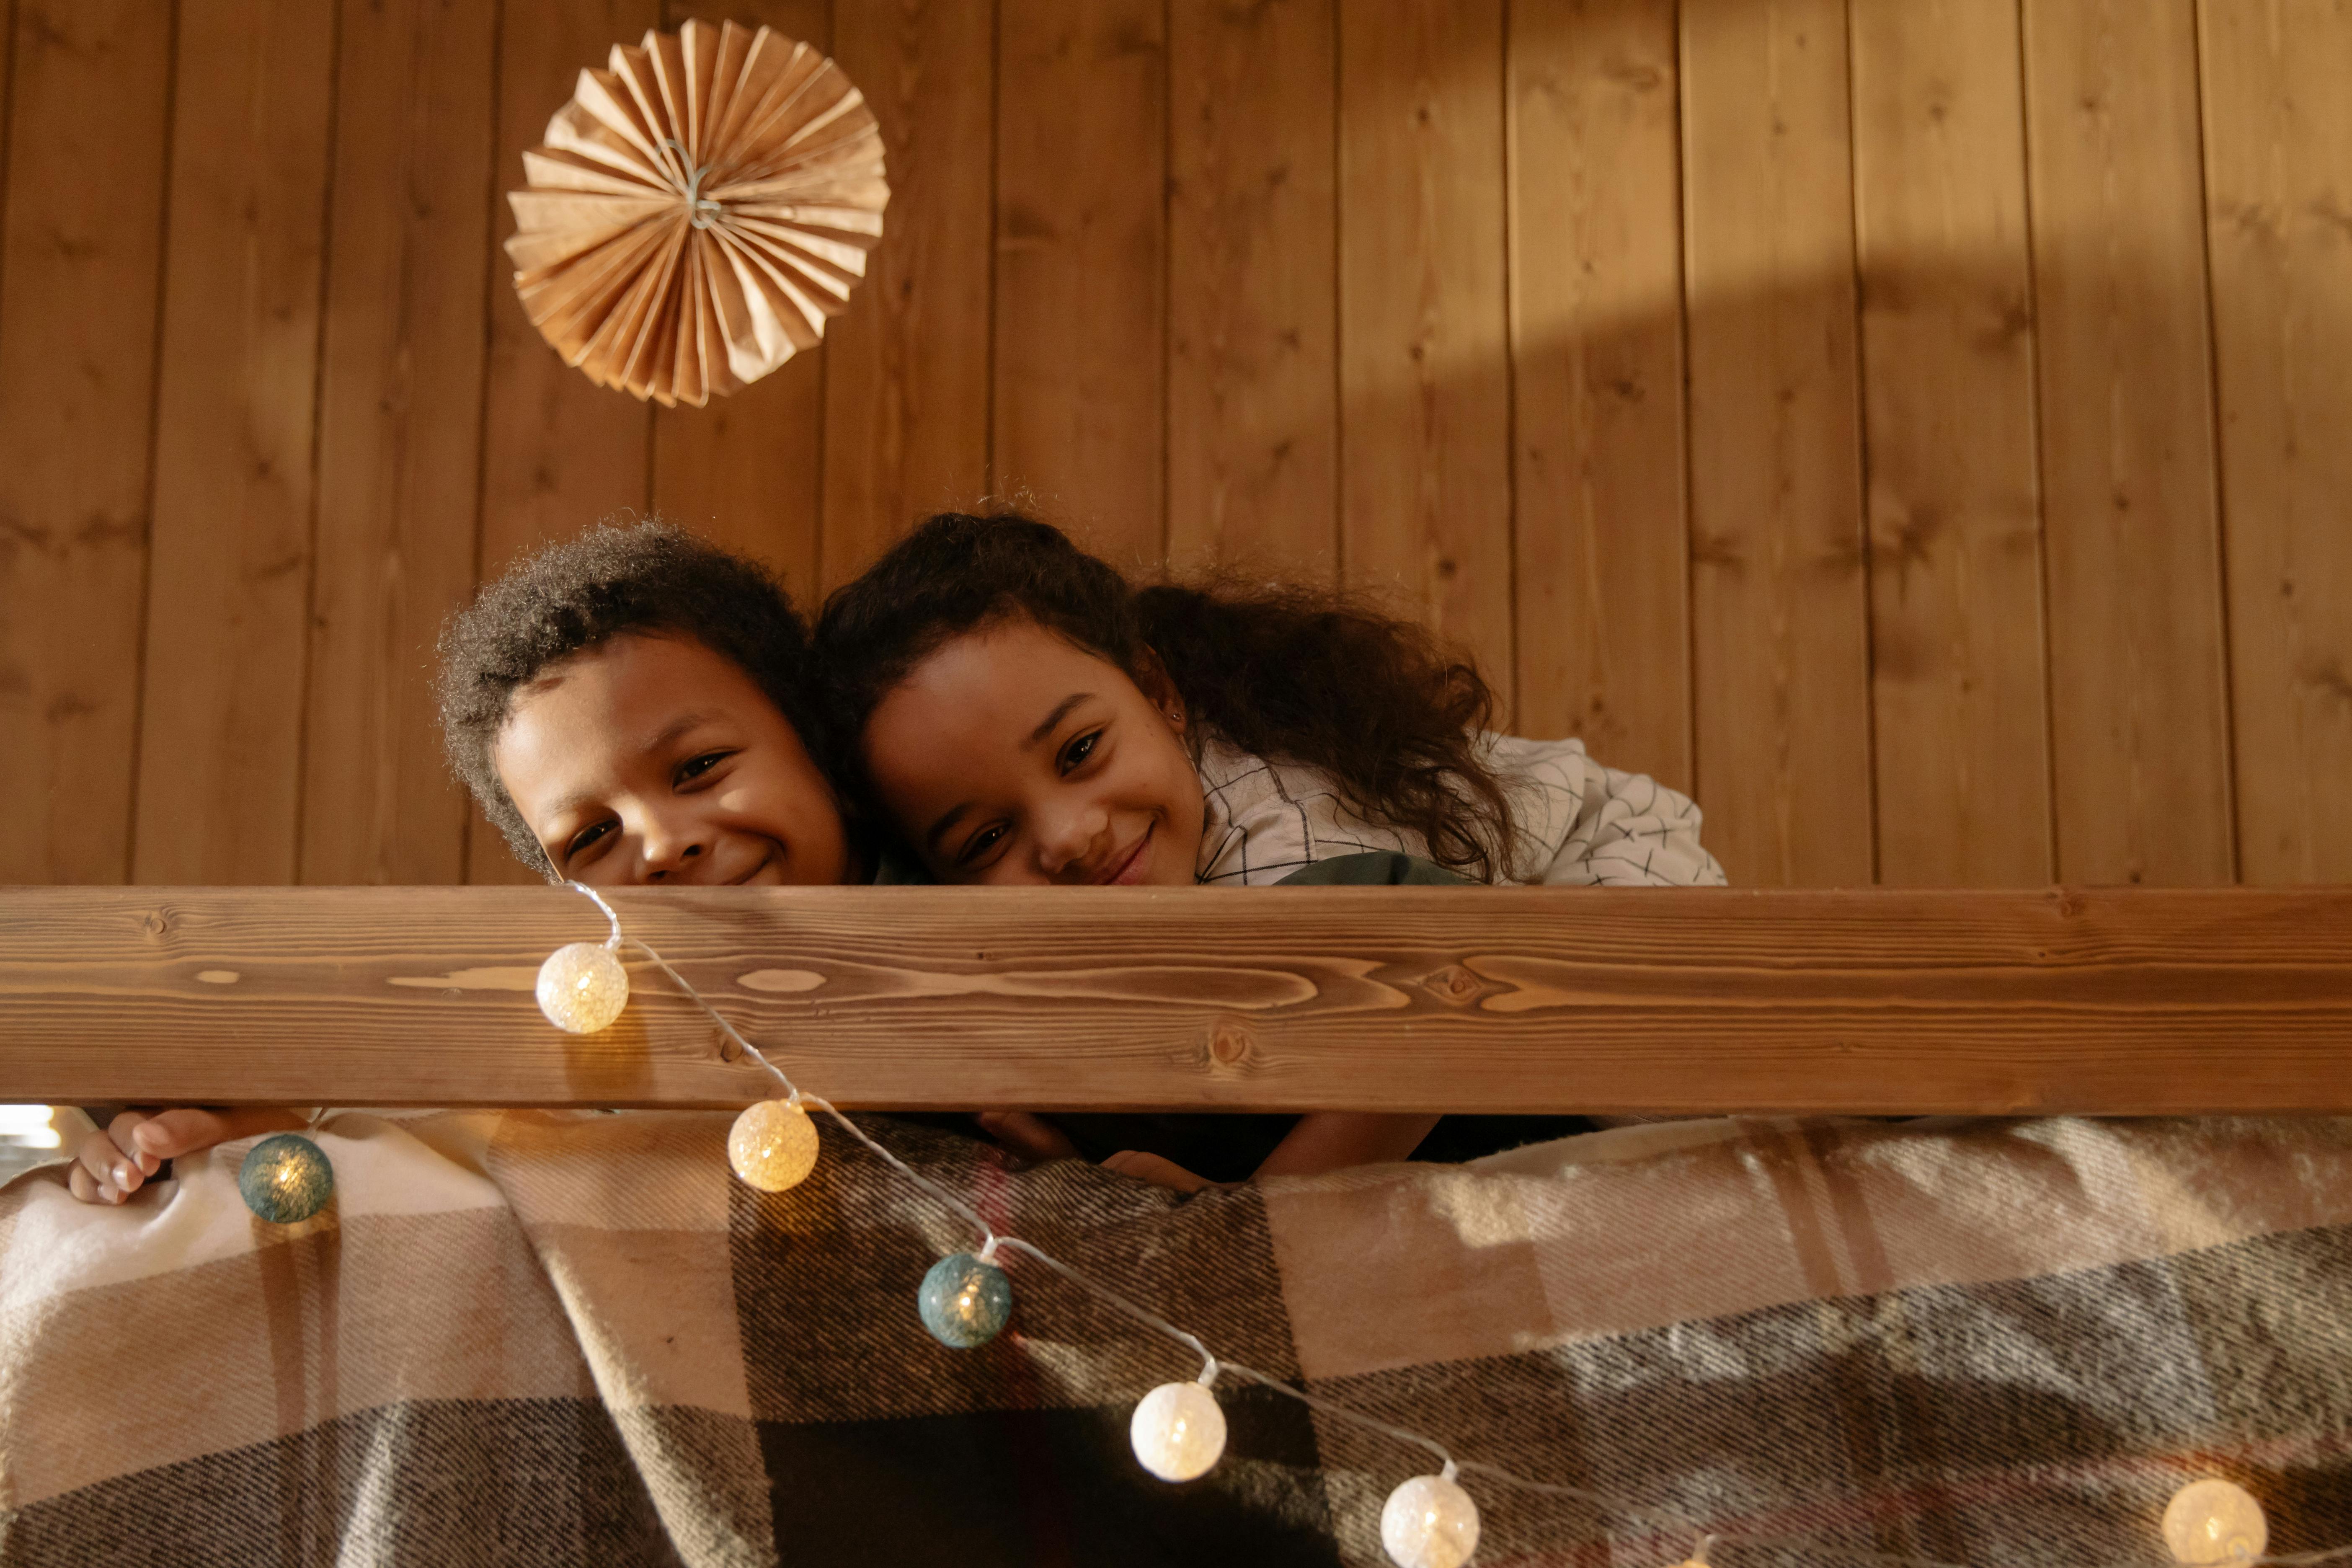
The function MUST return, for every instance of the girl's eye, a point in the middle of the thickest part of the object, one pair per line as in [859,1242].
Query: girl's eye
[1074,754]
[584,838]
[986,839]
[696,767]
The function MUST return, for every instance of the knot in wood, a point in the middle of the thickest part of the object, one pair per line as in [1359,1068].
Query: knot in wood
[1229,1044]
[1455,984]
[157,923]
[728,1049]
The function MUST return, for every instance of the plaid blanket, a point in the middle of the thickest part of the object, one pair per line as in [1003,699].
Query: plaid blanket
[528,1338]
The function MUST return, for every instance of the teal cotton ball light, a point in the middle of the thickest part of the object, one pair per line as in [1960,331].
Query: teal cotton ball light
[964,1301]
[286,1179]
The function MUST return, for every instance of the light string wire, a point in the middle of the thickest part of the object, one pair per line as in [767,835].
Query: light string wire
[1660,1521]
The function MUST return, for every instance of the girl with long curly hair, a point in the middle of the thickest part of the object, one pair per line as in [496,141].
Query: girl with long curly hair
[1016,712]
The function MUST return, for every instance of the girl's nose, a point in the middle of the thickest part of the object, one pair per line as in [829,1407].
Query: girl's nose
[1067,838]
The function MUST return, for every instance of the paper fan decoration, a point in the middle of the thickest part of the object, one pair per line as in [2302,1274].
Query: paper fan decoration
[698,211]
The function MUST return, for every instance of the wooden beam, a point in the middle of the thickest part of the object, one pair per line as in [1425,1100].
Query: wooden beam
[1522,999]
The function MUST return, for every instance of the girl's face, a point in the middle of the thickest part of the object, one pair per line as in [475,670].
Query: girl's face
[654,759]
[1011,756]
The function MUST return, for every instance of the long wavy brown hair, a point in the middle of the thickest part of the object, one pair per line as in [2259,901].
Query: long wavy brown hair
[1299,675]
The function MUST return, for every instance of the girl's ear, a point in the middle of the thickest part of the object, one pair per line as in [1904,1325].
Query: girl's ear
[1153,682]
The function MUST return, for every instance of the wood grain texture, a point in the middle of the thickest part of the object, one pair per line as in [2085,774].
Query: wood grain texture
[1253,402]
[559,452]
[1602,573]
[1535,999]
[1081,269]
[1779,597]
[1954,509]
[400,395]
[906,371]
[2278,151]
[228,608]
[748,470]
[1425,381]
[86,142]
[2140,717]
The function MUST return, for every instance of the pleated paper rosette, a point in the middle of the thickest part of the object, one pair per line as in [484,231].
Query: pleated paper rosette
[700,209]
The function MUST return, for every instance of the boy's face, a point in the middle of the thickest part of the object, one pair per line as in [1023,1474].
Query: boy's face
[1011,756]
[654,759]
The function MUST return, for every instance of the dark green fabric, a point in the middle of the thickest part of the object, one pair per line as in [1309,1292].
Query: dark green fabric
[1377,869]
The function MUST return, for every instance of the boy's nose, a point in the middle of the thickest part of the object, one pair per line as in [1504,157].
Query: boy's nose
[670,853]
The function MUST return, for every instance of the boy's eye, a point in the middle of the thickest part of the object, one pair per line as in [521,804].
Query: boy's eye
[1075,753]
[584,838]
[696,767]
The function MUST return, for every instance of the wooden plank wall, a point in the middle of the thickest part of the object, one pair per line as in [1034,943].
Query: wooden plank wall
[1923,428]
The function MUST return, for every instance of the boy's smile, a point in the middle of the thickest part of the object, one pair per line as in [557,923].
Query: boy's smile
[1011,755]
[654,759]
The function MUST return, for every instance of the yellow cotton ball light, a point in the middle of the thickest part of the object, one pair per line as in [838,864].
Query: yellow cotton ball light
[2212,1522]
[582,987]
[1179,1431]
[772,1145]
[1430,1523]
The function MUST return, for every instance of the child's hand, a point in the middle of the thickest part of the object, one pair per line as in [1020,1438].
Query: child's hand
[1033,1138]
[112,1164]
[1159,1172]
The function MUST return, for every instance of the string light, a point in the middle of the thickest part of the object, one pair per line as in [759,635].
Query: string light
[1178,1430]
[582,987]
[1430,1521]
[286,1178]
[772,1145]
[965,1300]
[2211,1521]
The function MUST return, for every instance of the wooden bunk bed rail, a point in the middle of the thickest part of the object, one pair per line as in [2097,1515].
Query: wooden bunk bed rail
[2114,1001]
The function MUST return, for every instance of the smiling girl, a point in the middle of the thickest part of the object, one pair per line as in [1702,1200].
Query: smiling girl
[1020,714]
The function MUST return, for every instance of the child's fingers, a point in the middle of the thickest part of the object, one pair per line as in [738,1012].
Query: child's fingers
[109,1177]
[168,1135]
[124,1130]
[1029,1136]
[1158,1171]
[88,1188]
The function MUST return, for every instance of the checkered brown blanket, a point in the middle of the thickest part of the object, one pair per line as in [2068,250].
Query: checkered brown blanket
[535,1338]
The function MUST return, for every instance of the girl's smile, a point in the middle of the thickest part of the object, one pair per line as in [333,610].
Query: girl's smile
[1011,755]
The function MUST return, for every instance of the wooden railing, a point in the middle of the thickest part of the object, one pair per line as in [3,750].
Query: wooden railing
[1534,999]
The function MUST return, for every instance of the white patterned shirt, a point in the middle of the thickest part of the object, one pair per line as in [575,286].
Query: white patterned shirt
[1575,822]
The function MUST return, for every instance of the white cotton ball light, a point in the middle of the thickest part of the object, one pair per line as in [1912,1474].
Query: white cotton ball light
[772,1145]
[582,987]
[2213,1521]
[1179,1431]
[1430,1523]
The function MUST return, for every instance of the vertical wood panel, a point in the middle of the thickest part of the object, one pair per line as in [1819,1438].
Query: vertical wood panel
[2278,141]
[86,148]
[220,752]
[1081,266]
[1252,416]
[1948,351]
[1779,597]
[907,372]
[746,470]
[1604,596]
[400,433]
[2139,728]
[559,452]
[1424,473]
